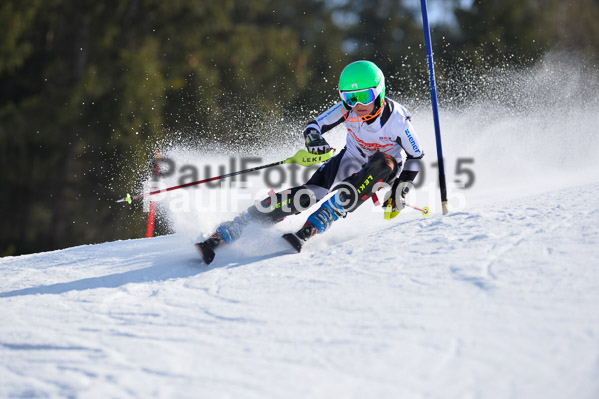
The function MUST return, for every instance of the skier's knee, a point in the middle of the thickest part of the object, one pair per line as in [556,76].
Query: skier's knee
[277,206]
[384,162]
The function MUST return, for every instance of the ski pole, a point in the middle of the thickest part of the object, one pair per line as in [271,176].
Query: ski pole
[425,211]
[390,214]
[302,157]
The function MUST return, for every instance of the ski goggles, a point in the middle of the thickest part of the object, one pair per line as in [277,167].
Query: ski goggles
[364,97]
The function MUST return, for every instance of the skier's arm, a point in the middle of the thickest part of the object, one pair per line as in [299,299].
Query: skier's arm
[410,170]
[327,120]
[408,140]
[315,143]
[401,185]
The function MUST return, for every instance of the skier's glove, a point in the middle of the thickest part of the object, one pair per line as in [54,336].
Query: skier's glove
[315,143]
[396,200]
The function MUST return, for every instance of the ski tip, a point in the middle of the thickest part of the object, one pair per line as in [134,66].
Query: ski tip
[206,252]
[294,241]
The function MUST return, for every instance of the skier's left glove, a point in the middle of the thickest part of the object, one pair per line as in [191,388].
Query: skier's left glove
[396,200]
[315,143]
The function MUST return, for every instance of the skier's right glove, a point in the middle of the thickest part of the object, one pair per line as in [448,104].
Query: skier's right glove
[396,200]
[315,143]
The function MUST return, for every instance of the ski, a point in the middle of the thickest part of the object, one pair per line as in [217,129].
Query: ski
[293,240]
[206,252]
[207,248]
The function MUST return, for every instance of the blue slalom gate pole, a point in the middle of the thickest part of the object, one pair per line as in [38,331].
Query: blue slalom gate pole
[433,85]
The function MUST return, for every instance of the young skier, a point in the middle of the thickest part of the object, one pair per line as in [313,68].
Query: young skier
[378,129]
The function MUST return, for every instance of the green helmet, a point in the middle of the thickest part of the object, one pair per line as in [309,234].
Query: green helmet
[356,79]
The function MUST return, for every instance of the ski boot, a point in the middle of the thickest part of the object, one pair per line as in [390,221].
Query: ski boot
[317,223]
[226,233]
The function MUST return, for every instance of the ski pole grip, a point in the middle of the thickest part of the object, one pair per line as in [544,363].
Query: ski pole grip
[304,158]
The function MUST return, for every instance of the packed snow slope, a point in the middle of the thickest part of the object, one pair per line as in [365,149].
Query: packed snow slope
[497,299]
[495,302]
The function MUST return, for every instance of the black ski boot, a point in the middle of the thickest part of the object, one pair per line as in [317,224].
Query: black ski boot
[298,239]
[206,248]
[318,222]
[226,233]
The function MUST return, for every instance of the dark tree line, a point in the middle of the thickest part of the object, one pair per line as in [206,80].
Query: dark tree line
[88,88]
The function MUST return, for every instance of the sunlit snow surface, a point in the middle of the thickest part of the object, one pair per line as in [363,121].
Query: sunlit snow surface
[498,299]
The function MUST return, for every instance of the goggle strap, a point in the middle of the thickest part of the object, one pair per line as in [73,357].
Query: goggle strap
[356,119]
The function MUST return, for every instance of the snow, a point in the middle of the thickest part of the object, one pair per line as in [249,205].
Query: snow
[497,299]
